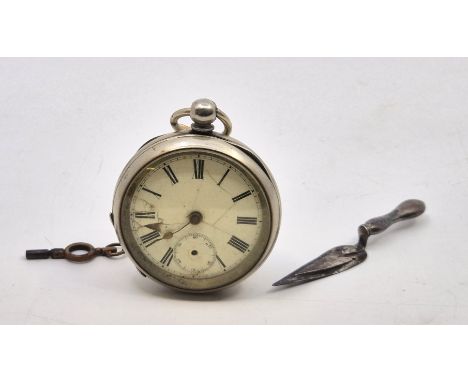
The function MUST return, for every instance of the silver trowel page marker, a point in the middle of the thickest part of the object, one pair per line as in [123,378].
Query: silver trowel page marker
[343,257]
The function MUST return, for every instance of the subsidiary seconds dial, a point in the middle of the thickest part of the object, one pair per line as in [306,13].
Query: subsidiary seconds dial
[195,253]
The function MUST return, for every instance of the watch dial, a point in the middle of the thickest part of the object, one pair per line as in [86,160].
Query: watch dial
[196,220]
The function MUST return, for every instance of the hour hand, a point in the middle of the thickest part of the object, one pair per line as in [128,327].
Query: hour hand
[154,226]
[194,218]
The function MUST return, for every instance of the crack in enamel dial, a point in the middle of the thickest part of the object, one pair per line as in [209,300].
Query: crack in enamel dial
[196,220]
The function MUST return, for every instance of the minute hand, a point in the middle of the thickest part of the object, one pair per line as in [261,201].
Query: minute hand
[194,218]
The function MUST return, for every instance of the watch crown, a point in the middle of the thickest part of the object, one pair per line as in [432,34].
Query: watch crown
[203,114]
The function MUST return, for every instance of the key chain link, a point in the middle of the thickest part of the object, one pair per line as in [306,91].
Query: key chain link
[68,253]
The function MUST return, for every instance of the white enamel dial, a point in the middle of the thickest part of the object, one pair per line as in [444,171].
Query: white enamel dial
[198,216]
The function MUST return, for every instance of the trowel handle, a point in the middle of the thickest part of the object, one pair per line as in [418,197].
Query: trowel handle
[406,210]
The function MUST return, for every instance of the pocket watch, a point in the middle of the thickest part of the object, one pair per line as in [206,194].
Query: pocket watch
[196,210]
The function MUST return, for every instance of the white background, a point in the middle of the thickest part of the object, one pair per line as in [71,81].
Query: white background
[347,140]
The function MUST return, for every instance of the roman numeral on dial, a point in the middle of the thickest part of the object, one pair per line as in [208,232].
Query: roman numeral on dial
[246,220]
[150,238]
[220,261]
[167,258]
[238,244]
[241,196]
[198,166]
[151,192]
[222,178]
[145,215]
[170,174]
